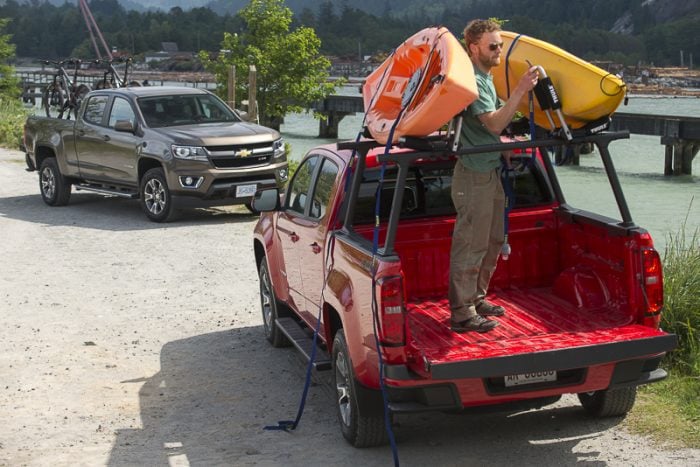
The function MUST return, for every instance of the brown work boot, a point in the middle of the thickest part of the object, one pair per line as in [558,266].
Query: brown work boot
[475,323]
[485,308]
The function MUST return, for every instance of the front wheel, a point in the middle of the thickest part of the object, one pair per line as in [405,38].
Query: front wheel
[54,187]
[155,198]
[270,308]
[361,426]
[610,402]
[249,207]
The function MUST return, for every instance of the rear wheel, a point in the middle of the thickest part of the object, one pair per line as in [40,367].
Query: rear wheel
[610,402]
[102,84]
[270,309]
[80,93]
[54,187]
[53,100]
[155,198]
[361,426]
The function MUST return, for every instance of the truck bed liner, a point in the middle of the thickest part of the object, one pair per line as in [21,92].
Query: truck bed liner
[535,321]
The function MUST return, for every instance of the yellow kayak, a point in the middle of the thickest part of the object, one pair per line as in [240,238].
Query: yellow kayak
[587,93]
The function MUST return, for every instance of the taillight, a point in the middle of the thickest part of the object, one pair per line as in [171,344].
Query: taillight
[653,282]
[391,311]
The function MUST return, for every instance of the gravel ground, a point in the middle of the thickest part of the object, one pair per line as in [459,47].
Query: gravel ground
[124,342]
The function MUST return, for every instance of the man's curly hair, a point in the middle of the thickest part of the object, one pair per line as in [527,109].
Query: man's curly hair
[476,28]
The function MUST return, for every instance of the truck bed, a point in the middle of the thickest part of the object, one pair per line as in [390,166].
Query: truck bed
[535,321]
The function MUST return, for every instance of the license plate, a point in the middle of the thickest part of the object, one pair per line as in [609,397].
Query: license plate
[530,378]
[243,191]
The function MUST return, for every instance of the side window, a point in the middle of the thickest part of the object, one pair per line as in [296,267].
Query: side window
[95,109]
[297,198]
[323,189]
[121,110]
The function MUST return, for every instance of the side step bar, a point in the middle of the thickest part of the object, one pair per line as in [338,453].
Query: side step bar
[107,191]
[303,341]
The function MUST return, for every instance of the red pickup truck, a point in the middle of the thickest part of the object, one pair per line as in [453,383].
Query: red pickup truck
[583,293]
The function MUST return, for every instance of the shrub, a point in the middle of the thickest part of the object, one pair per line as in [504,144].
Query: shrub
[12,117]
[682,300]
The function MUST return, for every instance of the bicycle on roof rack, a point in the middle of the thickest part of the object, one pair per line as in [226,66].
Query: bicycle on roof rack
[112,78]
[63,95]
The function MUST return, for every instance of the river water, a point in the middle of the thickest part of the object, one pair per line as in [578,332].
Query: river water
[661,204]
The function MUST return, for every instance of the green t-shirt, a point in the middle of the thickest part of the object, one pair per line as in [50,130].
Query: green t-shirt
[474,133]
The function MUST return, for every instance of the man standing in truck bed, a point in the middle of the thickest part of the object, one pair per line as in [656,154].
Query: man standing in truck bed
[476,189]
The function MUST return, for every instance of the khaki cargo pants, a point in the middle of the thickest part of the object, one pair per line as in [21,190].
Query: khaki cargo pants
[477,239]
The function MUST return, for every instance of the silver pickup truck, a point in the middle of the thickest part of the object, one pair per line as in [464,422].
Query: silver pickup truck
[169,147]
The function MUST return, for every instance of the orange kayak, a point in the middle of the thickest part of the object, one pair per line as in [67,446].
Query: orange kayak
[429,76]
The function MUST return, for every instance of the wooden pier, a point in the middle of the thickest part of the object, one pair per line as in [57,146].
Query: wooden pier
[680,135]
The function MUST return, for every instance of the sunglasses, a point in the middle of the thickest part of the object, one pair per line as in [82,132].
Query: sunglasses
[495,45]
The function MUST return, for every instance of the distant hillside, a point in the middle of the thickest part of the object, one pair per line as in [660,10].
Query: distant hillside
[660,11]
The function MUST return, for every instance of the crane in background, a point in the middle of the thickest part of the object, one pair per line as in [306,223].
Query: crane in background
[94,30]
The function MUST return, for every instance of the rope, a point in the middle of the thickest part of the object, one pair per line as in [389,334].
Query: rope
[510,50]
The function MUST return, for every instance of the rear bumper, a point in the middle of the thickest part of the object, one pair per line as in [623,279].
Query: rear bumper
[477,383]
[493,396]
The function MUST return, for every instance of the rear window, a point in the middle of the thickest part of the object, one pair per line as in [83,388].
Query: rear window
[428,190]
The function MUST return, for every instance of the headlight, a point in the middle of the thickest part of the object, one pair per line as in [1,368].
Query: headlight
[192,153]
[278,148]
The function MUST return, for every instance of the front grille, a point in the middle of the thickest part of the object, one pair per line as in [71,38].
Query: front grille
[234,148]
[237,161]
[240,155]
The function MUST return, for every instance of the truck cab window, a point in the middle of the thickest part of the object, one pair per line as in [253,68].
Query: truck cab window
[323,189]
[95,109]
[300,184]
[121,110]
[428,190]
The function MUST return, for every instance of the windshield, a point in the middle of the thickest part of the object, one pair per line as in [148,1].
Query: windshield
[161,111]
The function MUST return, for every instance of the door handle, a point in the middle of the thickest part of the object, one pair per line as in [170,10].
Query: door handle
[105,138]
[294,236]
[315,247]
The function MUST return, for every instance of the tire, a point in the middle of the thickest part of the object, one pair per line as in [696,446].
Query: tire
[270,309]
[102,84]
[53,100]
[30,164]
[54,187]
[361,428]
[249,207]
[154,195]
[80,93]
[610,402]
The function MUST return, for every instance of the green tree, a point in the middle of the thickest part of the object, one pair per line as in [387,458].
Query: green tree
[290,71]
[9,84]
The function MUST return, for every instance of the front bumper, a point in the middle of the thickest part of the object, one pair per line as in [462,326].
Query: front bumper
[223,186]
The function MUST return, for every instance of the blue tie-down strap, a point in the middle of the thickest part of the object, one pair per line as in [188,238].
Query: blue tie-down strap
[289,425]
[510,200]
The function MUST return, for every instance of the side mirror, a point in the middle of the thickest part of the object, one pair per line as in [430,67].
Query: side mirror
[266,200]
[125,126]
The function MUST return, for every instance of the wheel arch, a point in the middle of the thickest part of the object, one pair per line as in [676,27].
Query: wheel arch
[41,153]
[332,323]
[259,251]
[146,164]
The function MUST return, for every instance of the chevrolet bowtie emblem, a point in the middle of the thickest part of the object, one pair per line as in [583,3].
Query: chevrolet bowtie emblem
[244,153]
